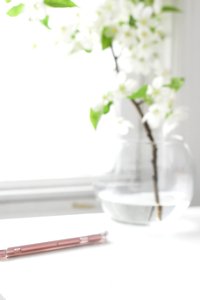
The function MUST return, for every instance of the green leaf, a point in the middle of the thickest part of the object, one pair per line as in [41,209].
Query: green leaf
[141,93]
[107,36]
[88,50]
[132,22]
[170,9]
[45,22]
[146,2]
[149,2]
[60,3]
[7,1]
[16,10]
[95,117]
[106,107]
[176,83]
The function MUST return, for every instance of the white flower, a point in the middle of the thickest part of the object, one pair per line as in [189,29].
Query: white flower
[158,82]
[35,10]
[126,84]
[144,34]
[179,114]
[155,115]
[116,126]
[123,86]
[126,36]
[123,126]
[142,13]
[102,101]
[113,11]
[159,92]
[82,41]
[106,14]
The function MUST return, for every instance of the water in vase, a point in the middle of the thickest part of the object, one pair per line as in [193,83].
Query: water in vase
[141,208]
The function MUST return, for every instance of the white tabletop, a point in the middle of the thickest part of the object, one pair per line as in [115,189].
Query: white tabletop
[138,262]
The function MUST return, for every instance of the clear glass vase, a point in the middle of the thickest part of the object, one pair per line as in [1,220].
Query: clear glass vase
[145,182]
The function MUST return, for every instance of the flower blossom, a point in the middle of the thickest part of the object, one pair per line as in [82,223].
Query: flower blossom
[123,85]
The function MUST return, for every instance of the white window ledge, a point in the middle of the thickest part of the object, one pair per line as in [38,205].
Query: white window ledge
[47,197]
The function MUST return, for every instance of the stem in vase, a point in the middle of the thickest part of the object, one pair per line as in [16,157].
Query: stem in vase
[154,160]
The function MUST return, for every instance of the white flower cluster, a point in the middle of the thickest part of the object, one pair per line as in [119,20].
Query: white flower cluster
[162,113]
[137,33]
[76,34]
[135,28]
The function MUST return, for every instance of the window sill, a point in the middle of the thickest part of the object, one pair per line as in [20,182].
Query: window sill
[47,197]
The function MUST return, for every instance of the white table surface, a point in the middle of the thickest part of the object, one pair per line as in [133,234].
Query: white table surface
[138,262]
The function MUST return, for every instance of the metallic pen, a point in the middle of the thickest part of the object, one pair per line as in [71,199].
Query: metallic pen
[52,245]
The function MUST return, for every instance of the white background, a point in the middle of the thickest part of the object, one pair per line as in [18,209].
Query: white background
[45,97]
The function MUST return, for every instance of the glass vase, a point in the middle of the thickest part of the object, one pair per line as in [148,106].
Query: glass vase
[145,182]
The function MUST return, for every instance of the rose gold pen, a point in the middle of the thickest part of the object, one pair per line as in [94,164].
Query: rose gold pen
[52,245]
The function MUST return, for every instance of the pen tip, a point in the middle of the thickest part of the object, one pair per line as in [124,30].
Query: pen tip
[104,236]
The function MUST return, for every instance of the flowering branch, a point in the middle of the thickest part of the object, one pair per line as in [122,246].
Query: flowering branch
[150,136]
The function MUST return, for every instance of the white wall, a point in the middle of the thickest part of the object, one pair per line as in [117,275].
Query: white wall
[186,58]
